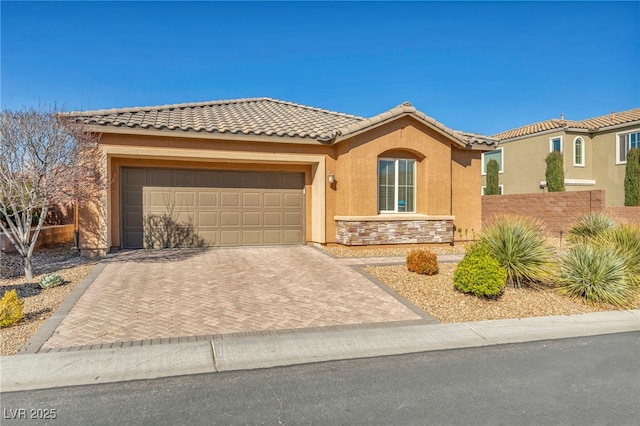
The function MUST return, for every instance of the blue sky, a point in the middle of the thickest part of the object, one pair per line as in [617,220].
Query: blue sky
[479,67]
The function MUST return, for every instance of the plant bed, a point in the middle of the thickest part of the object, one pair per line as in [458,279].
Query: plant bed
[437,296]
[39,303]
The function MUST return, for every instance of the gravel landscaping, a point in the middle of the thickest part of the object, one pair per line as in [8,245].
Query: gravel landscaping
[39,304]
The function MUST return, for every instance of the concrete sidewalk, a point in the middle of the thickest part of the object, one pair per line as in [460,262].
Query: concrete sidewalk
[224,353]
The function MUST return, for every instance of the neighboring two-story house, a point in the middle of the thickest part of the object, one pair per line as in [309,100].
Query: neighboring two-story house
[594,151]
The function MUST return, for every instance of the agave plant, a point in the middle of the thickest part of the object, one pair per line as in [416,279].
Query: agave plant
[591,225]
[520,248]
[595,273]
[51,280]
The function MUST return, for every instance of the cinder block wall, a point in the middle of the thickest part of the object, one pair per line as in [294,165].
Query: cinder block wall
[556,210]
[625,214]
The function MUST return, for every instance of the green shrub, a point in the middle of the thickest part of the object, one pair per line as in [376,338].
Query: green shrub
[590,225]
[10,309]
[479,274]
[493,178]
[626,239]
[555,172]
[520,248]
[423,262]
[51,280]
[632,178]
[595,273]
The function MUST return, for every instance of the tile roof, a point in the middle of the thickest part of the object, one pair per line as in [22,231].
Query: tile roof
[261,117]
[250,116]
[591,124]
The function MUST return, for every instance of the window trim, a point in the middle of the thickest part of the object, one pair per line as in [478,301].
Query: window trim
[483,187]
[637,130]
[396,185]
[501,170]
[561,144]
[583,146]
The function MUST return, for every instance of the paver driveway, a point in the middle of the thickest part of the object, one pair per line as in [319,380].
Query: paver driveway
[145,295]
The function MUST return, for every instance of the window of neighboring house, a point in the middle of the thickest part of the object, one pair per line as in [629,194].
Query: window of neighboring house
[500,190]
[492,155]
[396,185]
[578,152]
[555,144]
[626,141]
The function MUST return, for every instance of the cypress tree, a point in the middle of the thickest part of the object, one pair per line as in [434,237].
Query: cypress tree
[493,179]
[555,172]
[632,178]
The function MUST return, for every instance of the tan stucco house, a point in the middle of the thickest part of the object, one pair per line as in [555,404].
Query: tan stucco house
[262,171]
[594,153]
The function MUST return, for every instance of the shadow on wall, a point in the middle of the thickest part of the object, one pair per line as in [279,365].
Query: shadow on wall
[163,230]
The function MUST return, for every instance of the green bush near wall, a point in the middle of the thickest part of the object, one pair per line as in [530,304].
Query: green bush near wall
[555,172]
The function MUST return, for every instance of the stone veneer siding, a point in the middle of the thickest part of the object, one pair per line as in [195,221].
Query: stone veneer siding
[362,233]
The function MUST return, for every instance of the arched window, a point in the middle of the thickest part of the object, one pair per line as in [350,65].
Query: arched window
[578,152]
[396,185]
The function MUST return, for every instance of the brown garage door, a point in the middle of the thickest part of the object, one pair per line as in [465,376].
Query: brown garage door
[224,208]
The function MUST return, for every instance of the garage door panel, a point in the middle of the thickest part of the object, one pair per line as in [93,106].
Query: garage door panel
[292,219]
[224,208]
[272,219]
[230,199]
[207,219]
[293,180]
[159,177]
[207,199]
[272,236]
[272,199]
[251,199]
[159,198]
[229,219]
[230,237]
[207,179]
[185,199]
[251,218]
[292,236]
[251,237]
[185,178]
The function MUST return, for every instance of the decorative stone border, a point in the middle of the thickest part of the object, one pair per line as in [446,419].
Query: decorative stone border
[376,230]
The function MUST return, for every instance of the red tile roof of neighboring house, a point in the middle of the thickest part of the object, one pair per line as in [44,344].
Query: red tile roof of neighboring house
[591,124]
[259,116]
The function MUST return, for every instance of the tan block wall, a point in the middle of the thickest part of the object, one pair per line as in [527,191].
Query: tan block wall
[556,210]
[48,235]
[625,214]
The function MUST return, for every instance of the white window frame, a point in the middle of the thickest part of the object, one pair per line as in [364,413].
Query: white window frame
[484,187]
[551,144]
[618,161]
[396,186]
[484,169]
[583,148]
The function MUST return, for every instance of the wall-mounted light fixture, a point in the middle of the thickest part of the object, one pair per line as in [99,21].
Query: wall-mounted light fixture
[332,178]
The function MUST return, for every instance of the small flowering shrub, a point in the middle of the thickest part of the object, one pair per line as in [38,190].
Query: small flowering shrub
[480,274]
[423,262]
[10,309]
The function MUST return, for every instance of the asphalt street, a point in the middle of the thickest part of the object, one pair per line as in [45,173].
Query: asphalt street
[583,381]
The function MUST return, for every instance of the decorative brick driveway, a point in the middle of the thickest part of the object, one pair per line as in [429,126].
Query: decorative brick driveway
[166,294]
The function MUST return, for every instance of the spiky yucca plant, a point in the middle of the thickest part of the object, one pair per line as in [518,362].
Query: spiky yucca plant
[626,239]
[590,225]
[520,248]
[597,274]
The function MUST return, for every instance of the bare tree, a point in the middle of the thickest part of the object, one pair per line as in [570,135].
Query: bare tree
[47,158]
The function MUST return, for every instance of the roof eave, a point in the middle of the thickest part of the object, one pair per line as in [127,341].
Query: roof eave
[190,134]
[391,118]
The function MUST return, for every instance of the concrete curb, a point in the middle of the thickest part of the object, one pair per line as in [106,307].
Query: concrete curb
[55,369]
